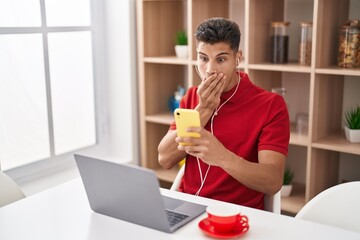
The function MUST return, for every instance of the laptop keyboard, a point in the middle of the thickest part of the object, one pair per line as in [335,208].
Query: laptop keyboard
[175,217]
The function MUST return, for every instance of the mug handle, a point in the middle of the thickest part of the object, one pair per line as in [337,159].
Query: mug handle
[243,219]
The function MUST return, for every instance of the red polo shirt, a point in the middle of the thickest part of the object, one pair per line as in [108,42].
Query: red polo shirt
[252,120]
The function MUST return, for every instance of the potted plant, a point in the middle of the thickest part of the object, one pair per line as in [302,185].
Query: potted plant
[287,183]
[352,124]
[181,47]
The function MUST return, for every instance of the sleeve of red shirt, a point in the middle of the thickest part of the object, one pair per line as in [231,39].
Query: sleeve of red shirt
[275,134]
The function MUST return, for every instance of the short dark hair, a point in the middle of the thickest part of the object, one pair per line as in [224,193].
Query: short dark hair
[215,30]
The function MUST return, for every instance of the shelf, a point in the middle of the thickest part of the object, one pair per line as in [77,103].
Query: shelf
[339,71]
[295,67]
[295,201]
[297,139]
[162,118]
[241,66]
[288,67]
[161,0]
[167,60]
[338,143]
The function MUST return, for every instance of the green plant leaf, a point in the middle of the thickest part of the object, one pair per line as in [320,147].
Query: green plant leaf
[288,177]
[181,38]
[352,118]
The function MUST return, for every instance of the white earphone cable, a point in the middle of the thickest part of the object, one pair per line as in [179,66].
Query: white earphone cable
[203,179]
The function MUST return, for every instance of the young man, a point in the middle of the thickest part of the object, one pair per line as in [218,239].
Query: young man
[244,137]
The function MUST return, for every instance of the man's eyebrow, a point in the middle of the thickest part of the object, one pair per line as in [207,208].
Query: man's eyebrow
[222,53]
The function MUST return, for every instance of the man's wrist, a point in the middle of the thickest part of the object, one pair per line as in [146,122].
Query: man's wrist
[205,114]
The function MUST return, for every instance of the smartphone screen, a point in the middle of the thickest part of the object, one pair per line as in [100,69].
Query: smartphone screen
[185,118]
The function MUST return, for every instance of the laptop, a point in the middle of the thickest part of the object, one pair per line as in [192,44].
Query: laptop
[132,194]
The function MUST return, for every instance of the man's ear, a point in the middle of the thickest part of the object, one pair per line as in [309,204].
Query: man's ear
[238,58]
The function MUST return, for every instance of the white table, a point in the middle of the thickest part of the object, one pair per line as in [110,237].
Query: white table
[63,213]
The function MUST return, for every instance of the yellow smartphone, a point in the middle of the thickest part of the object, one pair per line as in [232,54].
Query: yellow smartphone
[185,118]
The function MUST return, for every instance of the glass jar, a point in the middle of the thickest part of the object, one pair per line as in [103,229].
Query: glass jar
[349,45]
[279,90]
[279,42]
[305,43]
[302,123]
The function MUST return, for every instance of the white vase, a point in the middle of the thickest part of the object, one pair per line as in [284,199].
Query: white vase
[181,51]
[286,190]
[352,135]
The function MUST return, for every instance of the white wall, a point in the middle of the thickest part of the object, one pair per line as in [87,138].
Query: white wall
[120,44]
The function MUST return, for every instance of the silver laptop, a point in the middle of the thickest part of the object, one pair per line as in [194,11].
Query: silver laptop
[132,194]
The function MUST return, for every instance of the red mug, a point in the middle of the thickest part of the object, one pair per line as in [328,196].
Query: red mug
[224,218]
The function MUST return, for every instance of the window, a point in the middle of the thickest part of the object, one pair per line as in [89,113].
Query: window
[47,100]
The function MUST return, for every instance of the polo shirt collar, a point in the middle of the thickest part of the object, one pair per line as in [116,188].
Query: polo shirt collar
[242,89]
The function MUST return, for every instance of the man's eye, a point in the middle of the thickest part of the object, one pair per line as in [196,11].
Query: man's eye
[203,58]
[221,59]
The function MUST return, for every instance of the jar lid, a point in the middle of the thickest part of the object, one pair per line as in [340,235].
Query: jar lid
[350,27]
[277,24]
[355,23]
[306,24]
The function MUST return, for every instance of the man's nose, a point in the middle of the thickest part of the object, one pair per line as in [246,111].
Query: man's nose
[211,69]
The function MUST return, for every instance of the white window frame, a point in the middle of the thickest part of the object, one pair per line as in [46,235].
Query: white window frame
[65,161]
